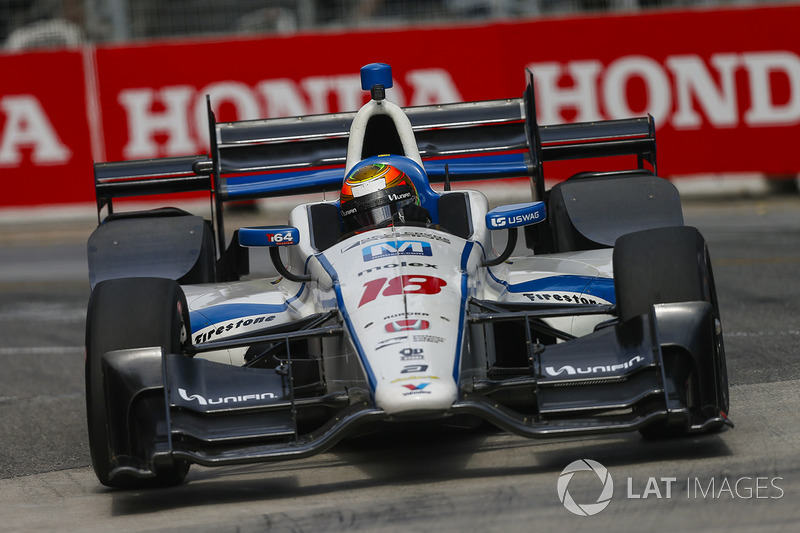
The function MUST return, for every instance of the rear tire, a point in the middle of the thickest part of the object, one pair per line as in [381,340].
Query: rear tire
[670,265]
[129,313]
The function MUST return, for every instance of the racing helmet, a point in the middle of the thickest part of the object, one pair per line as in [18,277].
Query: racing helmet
[373,193]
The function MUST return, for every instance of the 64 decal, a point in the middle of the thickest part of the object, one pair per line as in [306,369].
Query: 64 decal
[270,236]
[281,238]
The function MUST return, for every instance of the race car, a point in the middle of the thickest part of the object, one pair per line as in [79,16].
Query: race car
[391,307]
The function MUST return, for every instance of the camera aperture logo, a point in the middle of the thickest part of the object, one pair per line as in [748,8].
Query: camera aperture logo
[668,488]
[585,509]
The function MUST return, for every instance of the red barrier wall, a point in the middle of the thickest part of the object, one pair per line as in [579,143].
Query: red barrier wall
[722,102]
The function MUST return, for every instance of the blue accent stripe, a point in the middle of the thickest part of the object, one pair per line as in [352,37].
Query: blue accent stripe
[602,288]
[247,185]
[337,288]
[296,296]
[590,285]
[462,310]
[210,316]
[239,186]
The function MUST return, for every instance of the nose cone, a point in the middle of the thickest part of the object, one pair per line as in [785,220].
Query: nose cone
[425,395]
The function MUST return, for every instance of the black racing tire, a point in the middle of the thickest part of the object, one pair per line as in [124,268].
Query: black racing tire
[669,265]
[123,314]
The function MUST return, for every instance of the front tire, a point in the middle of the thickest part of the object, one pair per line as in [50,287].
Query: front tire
[123,314]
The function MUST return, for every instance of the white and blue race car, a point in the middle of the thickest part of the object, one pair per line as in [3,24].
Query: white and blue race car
[606,320]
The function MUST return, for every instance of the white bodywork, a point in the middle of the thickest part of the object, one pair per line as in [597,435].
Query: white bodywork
[402,294]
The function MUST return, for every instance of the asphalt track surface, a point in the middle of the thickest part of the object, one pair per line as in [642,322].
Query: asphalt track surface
[745,479]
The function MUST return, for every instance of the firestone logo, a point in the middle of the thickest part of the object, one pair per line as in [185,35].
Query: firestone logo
[587,509]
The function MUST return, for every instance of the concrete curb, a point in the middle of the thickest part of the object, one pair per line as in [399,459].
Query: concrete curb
[729,186]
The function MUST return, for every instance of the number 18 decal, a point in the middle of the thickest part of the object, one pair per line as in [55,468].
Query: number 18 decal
[412,284]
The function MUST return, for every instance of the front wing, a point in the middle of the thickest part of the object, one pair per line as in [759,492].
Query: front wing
[167,407]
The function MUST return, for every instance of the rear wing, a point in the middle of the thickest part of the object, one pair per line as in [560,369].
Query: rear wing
[460,141]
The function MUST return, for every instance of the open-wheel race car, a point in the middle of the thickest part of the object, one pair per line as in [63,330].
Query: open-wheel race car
[392,307]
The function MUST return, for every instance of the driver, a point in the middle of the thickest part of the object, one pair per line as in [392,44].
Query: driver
[379,194]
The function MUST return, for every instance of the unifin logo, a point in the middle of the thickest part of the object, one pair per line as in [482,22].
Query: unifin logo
[188,398]
[387,249]
[570,370]
[227,399]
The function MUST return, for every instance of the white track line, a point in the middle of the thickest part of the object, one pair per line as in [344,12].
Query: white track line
[41,350]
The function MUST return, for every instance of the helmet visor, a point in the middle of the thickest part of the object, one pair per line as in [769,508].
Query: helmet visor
[369,211]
